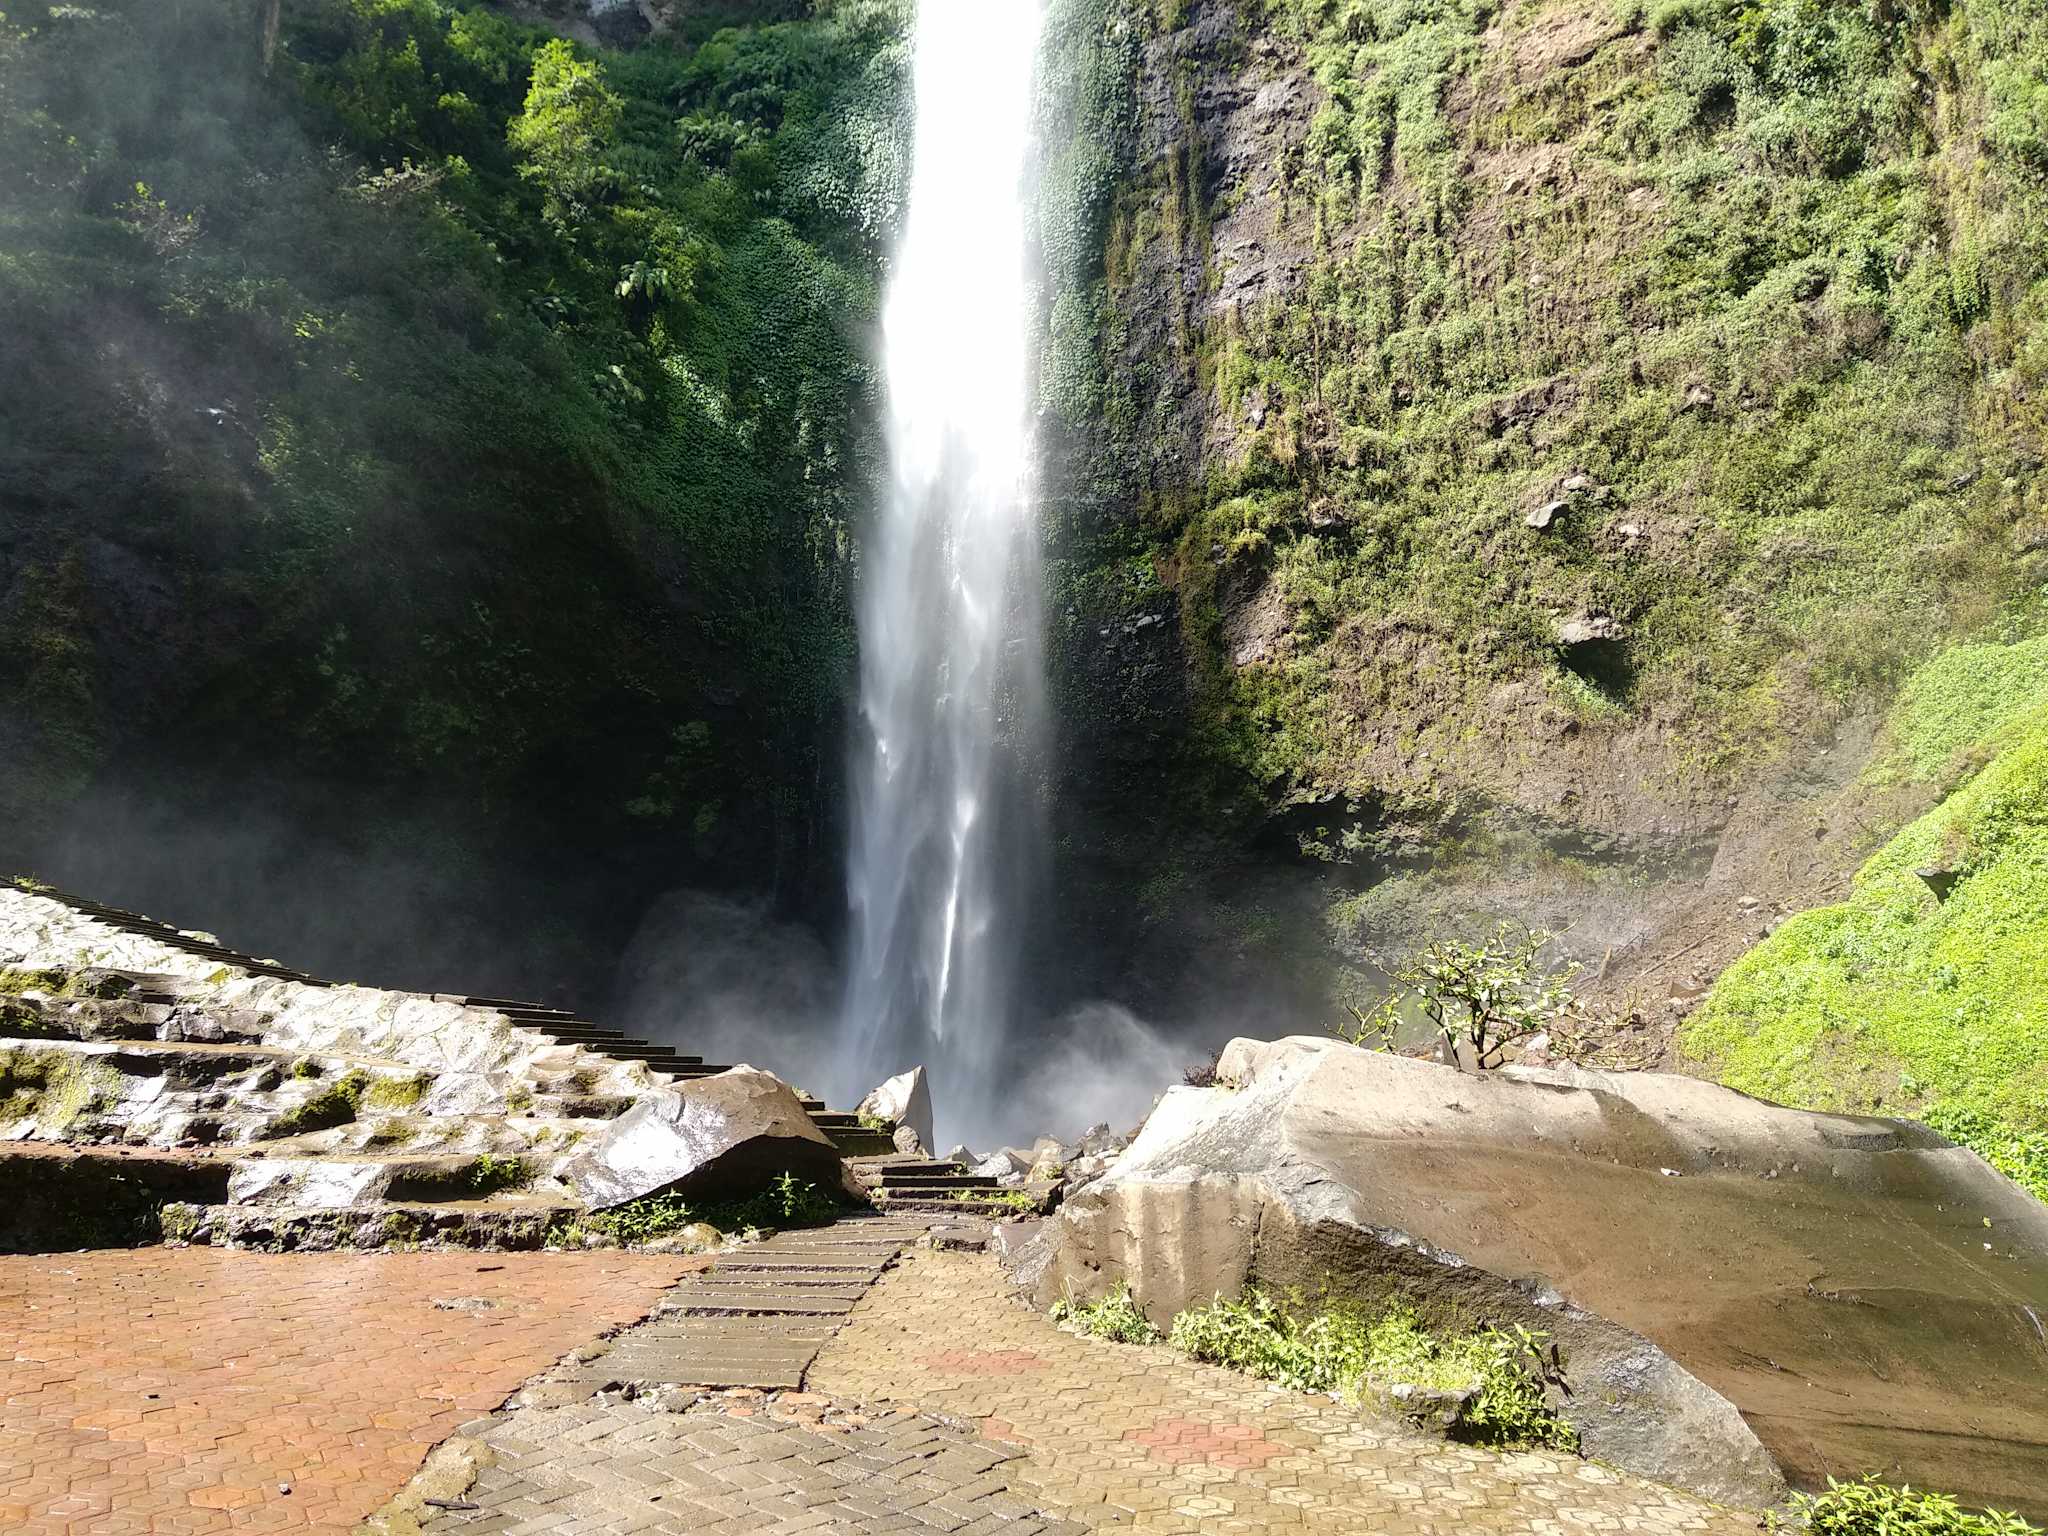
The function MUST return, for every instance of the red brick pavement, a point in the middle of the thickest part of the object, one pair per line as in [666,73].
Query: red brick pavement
[168,1390]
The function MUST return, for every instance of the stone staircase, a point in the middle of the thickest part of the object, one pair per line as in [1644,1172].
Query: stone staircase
[909,1184]
[318,1123]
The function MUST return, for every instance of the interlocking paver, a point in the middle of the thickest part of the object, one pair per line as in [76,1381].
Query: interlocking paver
[1140,1437]
[167,1389]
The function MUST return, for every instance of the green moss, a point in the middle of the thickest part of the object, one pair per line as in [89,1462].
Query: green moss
[1965,700]
[17,980]
[56,1089]
[1724,278]
[1894,1001]
[336,1104]
[397,1092]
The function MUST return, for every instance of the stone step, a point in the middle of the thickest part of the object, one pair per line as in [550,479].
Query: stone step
[973,1205]
[504,1223]
[164,933]
[923,1182]
[762,1302]
[64,1197]
[210,1060]
[354,1178]
[857,1143]
[580,1106]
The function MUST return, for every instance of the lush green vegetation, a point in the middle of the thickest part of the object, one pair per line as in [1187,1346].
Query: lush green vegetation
[442,409]
[1894,1000]
[1352,1353]
[1873,1508]
[1748,289]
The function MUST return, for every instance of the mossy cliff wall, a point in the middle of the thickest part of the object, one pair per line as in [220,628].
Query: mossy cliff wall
[1508,452]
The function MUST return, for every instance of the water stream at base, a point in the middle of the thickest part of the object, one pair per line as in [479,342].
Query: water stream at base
[949,605]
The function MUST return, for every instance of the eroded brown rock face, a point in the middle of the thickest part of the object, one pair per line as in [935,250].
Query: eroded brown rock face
[723,1135]
[1737,1287]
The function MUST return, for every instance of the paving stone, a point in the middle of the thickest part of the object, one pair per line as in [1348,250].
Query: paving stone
[174,1389]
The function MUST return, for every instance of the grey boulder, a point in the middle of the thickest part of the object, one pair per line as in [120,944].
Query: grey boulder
[1743,1293]
[722,1135]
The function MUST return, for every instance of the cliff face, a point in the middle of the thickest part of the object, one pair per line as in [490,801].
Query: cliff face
[1519,449]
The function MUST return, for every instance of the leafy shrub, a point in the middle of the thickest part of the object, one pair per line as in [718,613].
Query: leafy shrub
[1873,1508]
[1347,1353]
[1115,1317]
[1478,997]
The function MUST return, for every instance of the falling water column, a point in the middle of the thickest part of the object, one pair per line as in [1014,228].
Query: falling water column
[948,612]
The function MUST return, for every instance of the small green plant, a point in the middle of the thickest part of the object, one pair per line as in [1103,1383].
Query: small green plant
[491,1173]
[872,1122]
[1115,1317]
[1479,997]
[305,1067]
[1008,1199]
[1873,1508]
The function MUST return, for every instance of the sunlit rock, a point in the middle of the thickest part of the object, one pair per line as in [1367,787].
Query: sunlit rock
[1736,1287]
[722,1135]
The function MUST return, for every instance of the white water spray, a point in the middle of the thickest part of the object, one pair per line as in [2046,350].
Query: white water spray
[950,650]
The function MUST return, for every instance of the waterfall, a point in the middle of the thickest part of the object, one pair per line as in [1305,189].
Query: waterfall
[949,602]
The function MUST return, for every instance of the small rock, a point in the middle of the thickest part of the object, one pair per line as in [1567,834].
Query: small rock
[1576,485]
[1545,515]
[1434,1408]
[906,1139]
[967,1157]
[1588,627]
[464,1303]
[697,1237]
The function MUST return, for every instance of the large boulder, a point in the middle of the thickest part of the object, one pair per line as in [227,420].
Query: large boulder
[904,1100]
[1738,1288]
[722,1135]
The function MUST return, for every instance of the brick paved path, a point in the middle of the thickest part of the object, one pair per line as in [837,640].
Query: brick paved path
[608,1468]
[170,1390]
[1120,1435]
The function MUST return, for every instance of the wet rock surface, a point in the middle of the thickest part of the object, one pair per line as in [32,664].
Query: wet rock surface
[1737,1288]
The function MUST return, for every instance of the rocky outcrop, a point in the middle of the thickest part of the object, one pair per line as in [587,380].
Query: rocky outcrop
[1737,1288]
[162,1085]
[719,1135]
